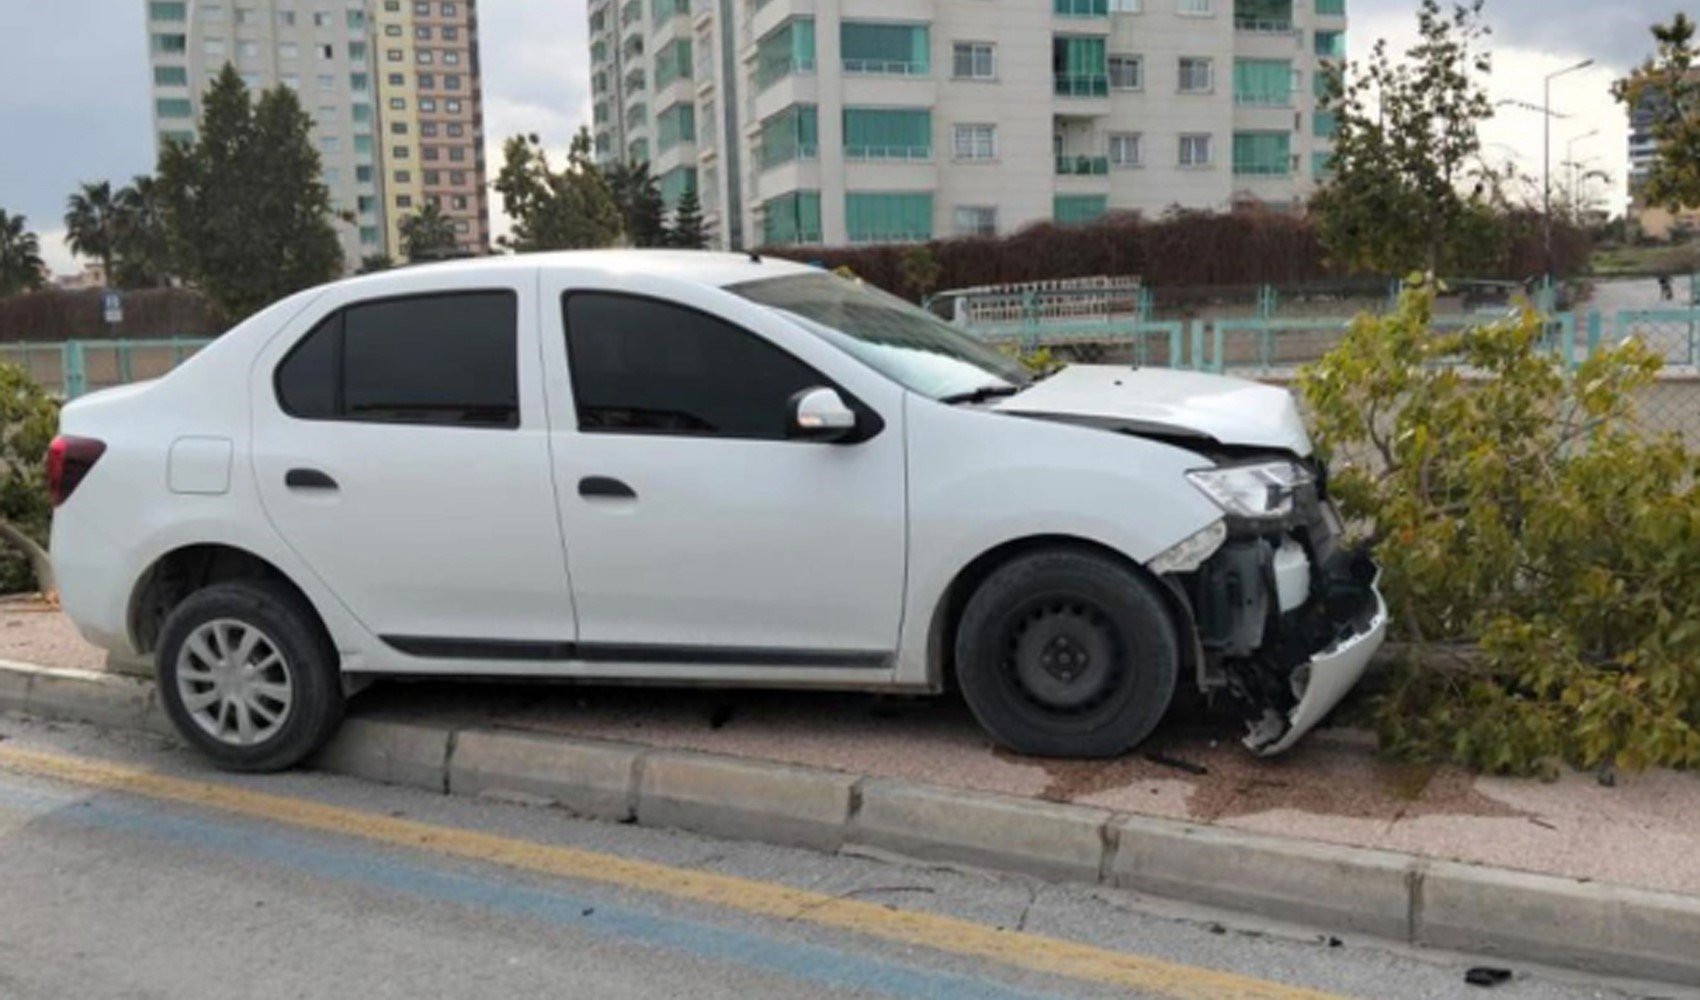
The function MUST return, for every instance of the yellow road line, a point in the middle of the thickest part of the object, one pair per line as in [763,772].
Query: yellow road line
[940,933]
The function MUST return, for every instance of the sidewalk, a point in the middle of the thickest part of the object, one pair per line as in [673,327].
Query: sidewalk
[1644,832]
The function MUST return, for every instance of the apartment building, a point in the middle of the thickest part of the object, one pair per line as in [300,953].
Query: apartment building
[1655,221]
[846,121]
[393,87]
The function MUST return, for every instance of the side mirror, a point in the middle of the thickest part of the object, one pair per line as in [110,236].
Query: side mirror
[820,414]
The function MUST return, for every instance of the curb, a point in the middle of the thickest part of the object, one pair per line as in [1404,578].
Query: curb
[1603,929]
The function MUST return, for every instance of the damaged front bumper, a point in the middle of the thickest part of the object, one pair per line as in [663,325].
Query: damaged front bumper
[1288,619]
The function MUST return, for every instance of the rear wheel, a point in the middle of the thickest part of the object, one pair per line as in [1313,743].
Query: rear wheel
[248,676]
[1066,653]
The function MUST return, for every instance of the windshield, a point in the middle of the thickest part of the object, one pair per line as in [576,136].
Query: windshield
[907,344]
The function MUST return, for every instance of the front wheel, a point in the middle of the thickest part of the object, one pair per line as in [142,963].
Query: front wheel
[248,676]
[1066,653]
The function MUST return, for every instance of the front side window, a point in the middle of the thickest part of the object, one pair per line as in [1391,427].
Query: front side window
[908,345]
[445,360]
[645,366]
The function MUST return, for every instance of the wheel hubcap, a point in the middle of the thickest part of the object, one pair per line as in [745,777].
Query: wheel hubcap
[234,682]
[1066,657]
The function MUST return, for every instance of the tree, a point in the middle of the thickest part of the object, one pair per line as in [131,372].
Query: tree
[428,234]
[248,214]
[20,256]
[142,245]
[28,417]
[1407,139]
[91,225]
[687,230]
[638,196]
[373,263]
[1666,89]
[564,209]
[920,270]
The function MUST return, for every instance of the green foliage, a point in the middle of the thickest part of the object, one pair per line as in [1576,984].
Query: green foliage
[920,270]
[20,256]
[141,244]
[373,263]
[428,234]
[637,195]
[1664,87]
[687,230]
[28,417]
[1520,512]
[91,225]
[1406,141]
[564,209]
[248,214]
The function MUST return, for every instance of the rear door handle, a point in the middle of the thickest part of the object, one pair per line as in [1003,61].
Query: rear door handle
[308,479]
[605,488]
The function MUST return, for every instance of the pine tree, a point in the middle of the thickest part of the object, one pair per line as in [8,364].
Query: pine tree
[687,230]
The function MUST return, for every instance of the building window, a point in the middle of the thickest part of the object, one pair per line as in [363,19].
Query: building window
[973,61]
[1124,149]
[1266,83]
[451,81]
[431,177]
[450,10]
[170,76]
[1331,8]
[422,32]
[363,147]
[363,173]
[1197,75]
[675,124]
[394,55]
[787,49]
[327,82]
[456,130]
[321,19]
[888,217]
[173,107]
[1331,44]
[1262,154]
[881,48]
[330,144]
[404,201]
[213,12]
[427,81]
[213,46]
[427,104]
[286,18]
[888,133]
[975,142]
[457,154]
[791,218]
[398,128]
[457,177]
[291,80]
[425,57]
[289,51]
[170,44]
[449,33]
[1075,209]
[451,58]
[429,154]
[976,220]
[357,52]
[400,153]
[392,31]
[428,130]
[356,20]
[792,134]
[452,107]
[674,183]
[1126,6]
[404,176]
[398,104]
[1195,151]
[170,12]
[1195,8]
[1080,66]
[1126,73]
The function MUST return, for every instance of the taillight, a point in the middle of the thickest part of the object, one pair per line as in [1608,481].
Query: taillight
[69,459]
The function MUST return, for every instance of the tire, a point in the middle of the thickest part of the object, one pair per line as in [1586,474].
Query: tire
[1066,653]
[249,706]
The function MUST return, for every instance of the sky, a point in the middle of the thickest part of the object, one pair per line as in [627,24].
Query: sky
[74,100]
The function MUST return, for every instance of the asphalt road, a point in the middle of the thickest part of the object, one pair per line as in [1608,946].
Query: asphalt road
[127,869]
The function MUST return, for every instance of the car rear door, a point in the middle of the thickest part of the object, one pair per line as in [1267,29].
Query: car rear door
[401,449]
[696,532]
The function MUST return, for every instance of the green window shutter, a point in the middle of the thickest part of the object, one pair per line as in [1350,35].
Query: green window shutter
[791,218]
[787,49]
[1331,44]
[173,107]
[899,49]
[1324,124]
[1331,8]
[792,134]
[1264,82]
[1081,8]
[1265,154]
[887,217]
[1073,209]
[170,44]
[888,133]
[170,76]
[1263,15]
[674,183]
[168,11]
[1082,66]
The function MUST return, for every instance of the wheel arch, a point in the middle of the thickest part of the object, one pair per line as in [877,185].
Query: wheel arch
[947,611]
[189,568]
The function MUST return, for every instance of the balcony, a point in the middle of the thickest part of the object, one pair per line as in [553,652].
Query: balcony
[1264,17]
[1081,8]
[885,67]
[1083,84]
[899,153]
[1082,166]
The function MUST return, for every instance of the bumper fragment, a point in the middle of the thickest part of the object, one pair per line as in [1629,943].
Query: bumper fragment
[1322,683]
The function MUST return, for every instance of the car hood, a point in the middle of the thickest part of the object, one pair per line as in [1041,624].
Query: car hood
[1164,402]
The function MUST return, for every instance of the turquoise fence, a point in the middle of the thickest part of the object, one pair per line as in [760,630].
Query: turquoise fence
[70,368]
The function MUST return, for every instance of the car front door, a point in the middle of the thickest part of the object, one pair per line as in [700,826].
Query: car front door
[697,532]
[401,449]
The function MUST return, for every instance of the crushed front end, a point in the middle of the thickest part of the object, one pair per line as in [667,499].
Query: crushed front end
[1287,615]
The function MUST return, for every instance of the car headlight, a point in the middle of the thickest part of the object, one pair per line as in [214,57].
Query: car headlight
[1255,492]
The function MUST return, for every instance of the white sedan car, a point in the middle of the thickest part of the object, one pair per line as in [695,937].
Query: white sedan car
[696,468]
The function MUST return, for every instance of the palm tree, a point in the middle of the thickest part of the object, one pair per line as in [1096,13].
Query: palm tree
[20,256]
[91,224]
[427,234]
[141,243]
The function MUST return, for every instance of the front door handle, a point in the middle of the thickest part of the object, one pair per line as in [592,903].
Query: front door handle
[605,488]
[308,479]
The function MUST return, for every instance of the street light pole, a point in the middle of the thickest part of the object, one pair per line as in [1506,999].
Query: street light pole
[1546,154]
[1570,162]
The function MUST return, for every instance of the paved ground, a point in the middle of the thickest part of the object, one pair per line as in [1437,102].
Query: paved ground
[1645,831]
[190,884]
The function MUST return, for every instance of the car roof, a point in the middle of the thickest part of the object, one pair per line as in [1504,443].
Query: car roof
[701,266]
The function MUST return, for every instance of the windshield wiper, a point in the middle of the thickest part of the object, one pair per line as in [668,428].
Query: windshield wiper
[981,394]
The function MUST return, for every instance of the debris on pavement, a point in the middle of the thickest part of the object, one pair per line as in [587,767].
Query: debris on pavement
[1158,757]
[1487,975]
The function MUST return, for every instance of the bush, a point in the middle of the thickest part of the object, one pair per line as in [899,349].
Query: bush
[28,417]
[1520,512]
